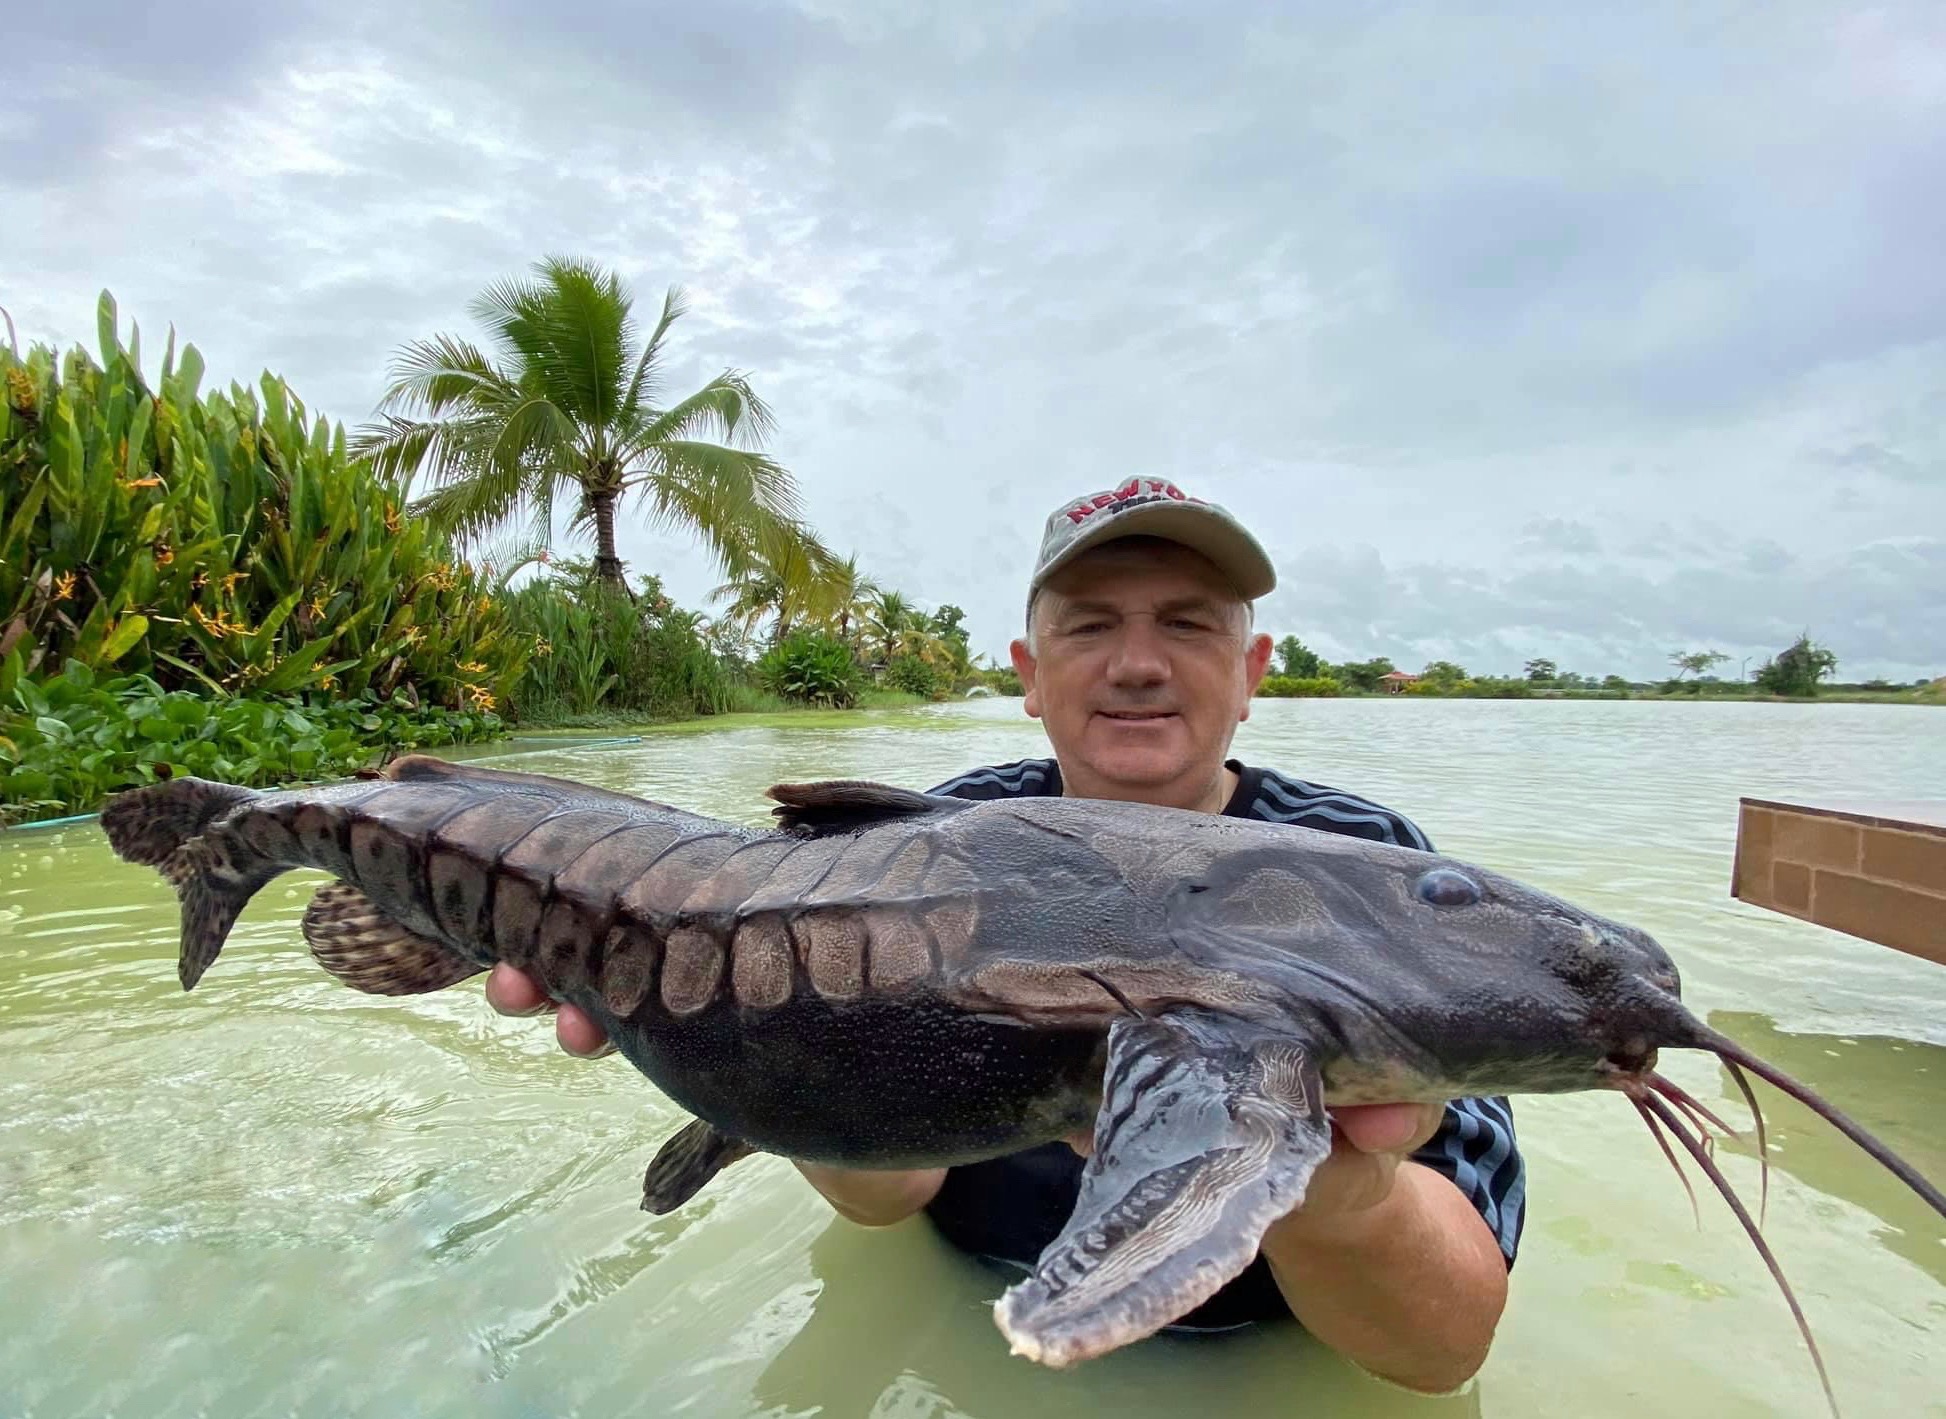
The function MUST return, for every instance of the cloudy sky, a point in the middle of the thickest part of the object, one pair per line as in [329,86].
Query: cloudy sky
[1523,331]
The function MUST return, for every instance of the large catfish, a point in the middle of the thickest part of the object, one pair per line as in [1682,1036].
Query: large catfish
[893,980]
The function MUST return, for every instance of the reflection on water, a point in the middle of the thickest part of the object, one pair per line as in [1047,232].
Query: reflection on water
[278,1196]
[923,1301]
[1889,1086]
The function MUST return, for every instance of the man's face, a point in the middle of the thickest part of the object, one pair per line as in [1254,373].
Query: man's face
[1141,670]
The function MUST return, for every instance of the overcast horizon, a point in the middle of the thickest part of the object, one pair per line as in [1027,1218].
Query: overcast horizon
[1592,337]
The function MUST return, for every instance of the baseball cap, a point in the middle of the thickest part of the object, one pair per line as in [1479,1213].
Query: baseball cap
[1154,507]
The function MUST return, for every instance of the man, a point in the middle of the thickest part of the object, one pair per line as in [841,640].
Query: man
[1140,660]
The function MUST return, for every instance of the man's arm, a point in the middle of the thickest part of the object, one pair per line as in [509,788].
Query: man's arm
[874,1199]
[1387,1261]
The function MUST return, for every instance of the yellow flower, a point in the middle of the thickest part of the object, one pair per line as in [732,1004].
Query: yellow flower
[317,607]
[20,390]
[328,682]
[64,587]
[481,696]
[541,647]
[393,522]
[138,483]
[471,667]
[164,554]
[230,580]
[217,625]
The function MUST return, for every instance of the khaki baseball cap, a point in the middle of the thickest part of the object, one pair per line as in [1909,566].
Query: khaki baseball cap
[1154,507]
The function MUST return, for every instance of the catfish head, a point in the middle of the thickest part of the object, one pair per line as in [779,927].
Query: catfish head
[1423,977]
[1417,976]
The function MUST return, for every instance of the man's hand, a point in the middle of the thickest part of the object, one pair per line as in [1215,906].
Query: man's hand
[1388,1262]
[513,993]
[1385,1260]
[1368,1143]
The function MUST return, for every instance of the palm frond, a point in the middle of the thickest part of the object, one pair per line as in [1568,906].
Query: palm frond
[570,332]
[471,508]
[740,481]
[643,385]
[725,408]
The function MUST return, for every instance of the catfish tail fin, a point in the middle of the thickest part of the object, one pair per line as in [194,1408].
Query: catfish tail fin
[165,826]
[214,889]
[147,825]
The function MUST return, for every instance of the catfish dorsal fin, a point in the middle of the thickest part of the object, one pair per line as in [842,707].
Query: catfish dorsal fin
[846,805]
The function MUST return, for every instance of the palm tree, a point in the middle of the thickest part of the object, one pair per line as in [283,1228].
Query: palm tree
[851,596]
[786,572]
[568,408]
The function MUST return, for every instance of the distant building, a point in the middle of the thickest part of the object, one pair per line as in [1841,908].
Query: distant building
[1395,681]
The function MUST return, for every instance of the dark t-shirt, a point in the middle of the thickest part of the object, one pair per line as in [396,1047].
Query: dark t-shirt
[1007,1210]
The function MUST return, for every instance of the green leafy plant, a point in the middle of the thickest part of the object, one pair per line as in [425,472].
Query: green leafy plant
[1291,687]
[221,542]
[914,676]
[70,741]
[811,669]
[1295,660]
[1797,669]
[593,650]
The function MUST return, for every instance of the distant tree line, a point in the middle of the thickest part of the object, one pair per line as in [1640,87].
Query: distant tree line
[1798,671]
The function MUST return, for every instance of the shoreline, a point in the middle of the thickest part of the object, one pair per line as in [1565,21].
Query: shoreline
[621,728]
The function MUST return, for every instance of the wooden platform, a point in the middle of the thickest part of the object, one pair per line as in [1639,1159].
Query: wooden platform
[1872,868]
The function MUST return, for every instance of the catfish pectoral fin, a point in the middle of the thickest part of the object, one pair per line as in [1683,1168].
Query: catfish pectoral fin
[686,1162]
[367,950]
[1209,1131]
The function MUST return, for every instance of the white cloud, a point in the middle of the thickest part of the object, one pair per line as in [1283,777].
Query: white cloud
[1559,332]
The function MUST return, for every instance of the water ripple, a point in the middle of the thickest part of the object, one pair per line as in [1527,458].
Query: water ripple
[278,1196]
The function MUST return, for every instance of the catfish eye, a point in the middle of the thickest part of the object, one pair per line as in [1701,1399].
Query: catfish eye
[1443,887]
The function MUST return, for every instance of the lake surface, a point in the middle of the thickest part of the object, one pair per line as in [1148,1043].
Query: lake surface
[277,1196]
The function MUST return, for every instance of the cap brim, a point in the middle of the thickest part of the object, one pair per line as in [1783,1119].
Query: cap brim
[1234,551]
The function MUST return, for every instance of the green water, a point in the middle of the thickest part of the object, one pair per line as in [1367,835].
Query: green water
[275,1196]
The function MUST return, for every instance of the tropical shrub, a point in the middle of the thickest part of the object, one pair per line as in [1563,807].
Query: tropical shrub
[1290,687]
[1797,669]
[69,741]
[220,542]
[1297,661]
[811,669]
[914,676]
[596,648]
[1002,680]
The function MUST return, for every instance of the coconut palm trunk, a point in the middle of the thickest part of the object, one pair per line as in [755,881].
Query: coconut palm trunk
[608,562]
